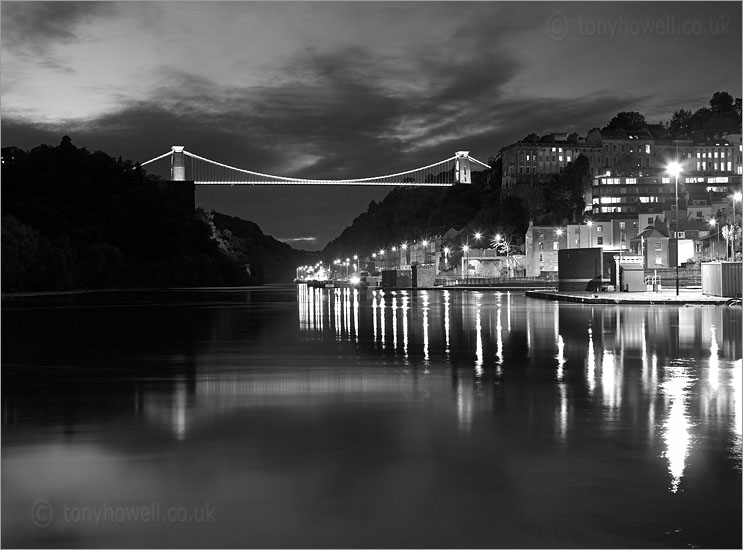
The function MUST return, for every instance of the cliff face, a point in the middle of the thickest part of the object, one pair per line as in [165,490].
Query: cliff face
[72,219]
[262,257]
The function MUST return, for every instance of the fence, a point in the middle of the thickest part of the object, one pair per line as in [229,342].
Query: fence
[688,277]
[547,281]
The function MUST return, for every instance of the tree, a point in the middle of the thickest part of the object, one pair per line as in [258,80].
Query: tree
[628,121]
[627,165]
[680,125]
[722,103]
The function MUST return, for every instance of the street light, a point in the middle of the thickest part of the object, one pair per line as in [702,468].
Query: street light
[589,223]
[674,168]
[736,197]
[466,249]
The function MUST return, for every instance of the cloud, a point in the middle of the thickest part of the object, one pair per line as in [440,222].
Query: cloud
[344,91]
[33,30]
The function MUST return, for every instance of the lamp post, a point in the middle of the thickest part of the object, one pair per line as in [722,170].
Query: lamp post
[713,223]
[736,197]
[675,169]
[466,249]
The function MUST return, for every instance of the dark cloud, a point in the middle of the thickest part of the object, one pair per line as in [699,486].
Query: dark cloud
[31,29]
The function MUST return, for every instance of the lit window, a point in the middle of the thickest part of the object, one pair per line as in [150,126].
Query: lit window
[555,245]
[647,149]
[560,158]
[622,225]
[716,154]
[569,159]
[599,228]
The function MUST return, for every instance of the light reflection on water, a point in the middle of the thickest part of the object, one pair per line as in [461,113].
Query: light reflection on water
[548,417]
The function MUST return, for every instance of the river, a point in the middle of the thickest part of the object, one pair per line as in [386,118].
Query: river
[295,417]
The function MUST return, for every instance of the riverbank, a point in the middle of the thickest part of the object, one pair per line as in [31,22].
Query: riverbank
[686,296]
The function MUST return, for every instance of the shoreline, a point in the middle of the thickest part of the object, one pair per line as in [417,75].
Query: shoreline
[685,297]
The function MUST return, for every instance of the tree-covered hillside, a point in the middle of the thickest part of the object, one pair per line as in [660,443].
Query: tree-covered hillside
[72,219]
[410,213]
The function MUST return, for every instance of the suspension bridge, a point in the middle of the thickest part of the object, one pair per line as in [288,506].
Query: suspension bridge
[186,166]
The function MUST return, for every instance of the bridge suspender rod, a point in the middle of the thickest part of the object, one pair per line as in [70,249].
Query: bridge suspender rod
[282,178]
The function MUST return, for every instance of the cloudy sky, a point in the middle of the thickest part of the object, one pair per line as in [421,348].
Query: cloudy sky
[346,89]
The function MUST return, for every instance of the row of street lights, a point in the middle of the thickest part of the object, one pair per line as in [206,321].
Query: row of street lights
[499,243]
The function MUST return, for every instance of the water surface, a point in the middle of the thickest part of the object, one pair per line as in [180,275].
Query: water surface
[283,417]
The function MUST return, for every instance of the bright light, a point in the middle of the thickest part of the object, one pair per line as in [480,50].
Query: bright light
[466,248]
[381,252]
[404,246]
[447,250]
[713,222]
[674,168]
[337,261]
[737,196]
[354,280]
[478,235]
[497,237]
[355,256]
[424,242]
[394,249]
[374,255]
[589,223]
[558,232]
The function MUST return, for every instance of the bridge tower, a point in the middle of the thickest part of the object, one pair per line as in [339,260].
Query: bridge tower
[462,173]
[177,163]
